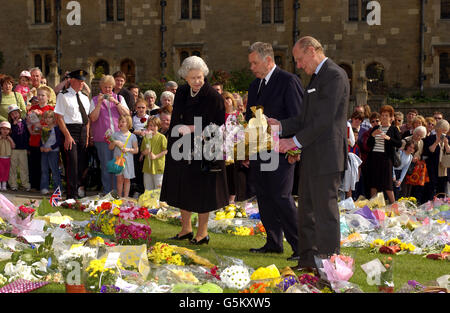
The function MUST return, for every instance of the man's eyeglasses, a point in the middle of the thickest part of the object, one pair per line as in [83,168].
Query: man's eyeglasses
[375,121]
[438,118]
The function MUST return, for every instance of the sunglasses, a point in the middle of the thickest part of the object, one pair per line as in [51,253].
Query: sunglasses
[400,121]
[375,121]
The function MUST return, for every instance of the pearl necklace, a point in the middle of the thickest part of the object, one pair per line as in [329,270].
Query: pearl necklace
[193,94]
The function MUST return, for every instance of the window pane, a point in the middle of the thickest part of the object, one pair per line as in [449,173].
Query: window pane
[352,10]
[278,11]
[196,53]
[364,11]
[48,11]
[444,68]
[183,55]
[37,61]
[279,61]
[37,11]
[196,8]
[110,10]
[445,9]
[121,10]
[266,11]
[48,60]
[184,9]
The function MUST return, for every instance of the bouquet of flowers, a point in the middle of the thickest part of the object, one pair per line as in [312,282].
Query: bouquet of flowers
[108,136]
[338,268]
[162,253]
[45,133]
[75,257]
[387,276]
[25,212]
[99,275]
[103,219]
[133,234]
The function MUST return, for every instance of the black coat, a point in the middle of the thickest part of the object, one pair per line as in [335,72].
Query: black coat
[185,185]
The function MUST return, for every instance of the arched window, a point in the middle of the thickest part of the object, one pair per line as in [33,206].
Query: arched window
[375,78]
[129,68]
[348,69]
[101,67]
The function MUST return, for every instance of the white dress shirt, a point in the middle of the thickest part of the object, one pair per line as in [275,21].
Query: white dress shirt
[67,106]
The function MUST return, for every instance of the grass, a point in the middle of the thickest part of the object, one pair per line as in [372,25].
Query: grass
[406,267]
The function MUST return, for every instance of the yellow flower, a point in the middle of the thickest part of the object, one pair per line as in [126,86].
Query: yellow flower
[393,242]
[446,249]
[377,243]
[116,211]
[440,221]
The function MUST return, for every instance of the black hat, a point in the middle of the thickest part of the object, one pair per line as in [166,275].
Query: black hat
[78,74]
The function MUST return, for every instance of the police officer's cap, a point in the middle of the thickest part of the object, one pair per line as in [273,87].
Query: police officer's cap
[78,74]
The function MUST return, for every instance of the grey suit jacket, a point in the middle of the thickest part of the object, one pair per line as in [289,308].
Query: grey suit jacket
[321,128]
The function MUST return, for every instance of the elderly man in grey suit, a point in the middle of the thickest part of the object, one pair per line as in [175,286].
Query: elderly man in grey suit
[320,132]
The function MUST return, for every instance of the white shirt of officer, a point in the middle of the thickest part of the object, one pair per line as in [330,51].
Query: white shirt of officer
[67,106]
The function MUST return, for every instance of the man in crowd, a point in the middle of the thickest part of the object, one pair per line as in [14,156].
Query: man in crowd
[71,109]
[36,77]
[218,87]
[120,78]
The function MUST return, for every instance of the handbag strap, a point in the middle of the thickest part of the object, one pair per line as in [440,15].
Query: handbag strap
[125,145]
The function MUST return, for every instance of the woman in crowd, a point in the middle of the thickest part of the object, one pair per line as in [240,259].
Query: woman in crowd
[10,97]
[382,141]
[150,97]
[106,108]
[166,98]
[433,148]
[406,156]
[419,133]
[431,123]
[191,182]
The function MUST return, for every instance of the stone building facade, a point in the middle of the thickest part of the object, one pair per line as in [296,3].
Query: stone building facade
[149,38]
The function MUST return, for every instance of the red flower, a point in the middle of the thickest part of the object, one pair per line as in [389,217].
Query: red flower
[143,119]
[106,206]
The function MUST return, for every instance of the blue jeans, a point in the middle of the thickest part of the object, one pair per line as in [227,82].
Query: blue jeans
[105,155]
[49,161]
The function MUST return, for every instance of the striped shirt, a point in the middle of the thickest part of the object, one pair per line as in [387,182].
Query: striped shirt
[379,141]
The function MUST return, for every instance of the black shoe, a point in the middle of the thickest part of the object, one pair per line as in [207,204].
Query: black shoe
[187,236]
[294,257]
[201,241]
[307,266]
[264,249]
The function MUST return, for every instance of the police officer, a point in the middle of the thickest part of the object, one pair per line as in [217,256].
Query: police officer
[71,111]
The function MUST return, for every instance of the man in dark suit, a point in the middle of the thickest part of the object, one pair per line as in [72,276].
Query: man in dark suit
[280,93]
[320,131]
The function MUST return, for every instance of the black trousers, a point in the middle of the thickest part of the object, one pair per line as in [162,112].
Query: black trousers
[275,202]
[319,223]
[76,159]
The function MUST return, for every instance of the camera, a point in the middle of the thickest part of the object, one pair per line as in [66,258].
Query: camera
[106,97]
[442,137]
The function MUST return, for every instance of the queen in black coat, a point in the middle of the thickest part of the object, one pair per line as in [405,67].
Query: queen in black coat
[188,184]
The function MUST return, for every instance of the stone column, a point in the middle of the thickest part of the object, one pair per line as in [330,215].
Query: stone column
[361,91]
[53,77]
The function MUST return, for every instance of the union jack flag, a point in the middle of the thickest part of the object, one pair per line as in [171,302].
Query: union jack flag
[56,197]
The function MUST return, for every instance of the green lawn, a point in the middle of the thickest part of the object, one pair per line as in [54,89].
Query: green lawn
[406,267]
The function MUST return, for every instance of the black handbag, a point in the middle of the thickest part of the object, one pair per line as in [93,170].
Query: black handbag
[397,159]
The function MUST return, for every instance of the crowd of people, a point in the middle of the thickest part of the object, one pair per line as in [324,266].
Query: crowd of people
[68,134]
[401,158]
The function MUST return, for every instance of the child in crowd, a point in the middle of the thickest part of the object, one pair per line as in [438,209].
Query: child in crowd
[139,126]
[35,124]
[154,148]
[51,140]
[124,142]
[6,146]
[24,85]
[43,96]
[19,155]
